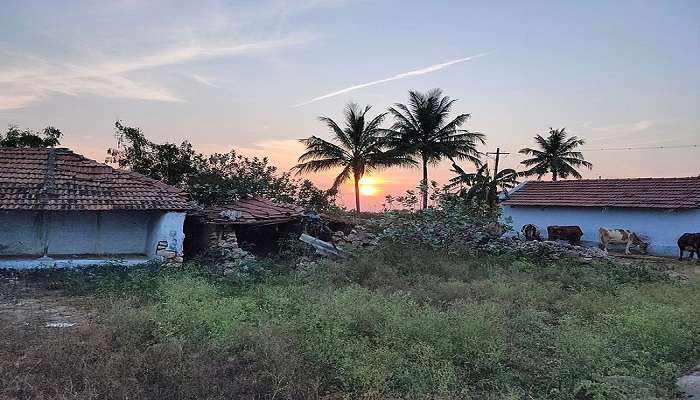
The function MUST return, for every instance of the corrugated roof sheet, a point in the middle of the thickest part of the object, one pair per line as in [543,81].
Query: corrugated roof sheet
[664,193]
[58,179]
[254,211]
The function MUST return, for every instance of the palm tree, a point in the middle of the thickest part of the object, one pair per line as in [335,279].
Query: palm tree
[422,131]
[358,149]
[556,155]
[481,185]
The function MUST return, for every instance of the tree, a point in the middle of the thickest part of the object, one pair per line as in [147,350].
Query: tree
[216,178]
[422,130]
[358,149]
[168,162]
[481,186]
[556,154]
[14,137]
[221,178]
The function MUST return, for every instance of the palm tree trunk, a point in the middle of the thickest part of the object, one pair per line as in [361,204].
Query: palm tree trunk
[357,194]
[424,183]
[554,175]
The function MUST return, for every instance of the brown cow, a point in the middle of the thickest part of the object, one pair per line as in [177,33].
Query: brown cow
[571,233]
[531,232]
[689,242]
[621,236]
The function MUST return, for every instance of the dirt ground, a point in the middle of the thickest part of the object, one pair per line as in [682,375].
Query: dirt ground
[29,305]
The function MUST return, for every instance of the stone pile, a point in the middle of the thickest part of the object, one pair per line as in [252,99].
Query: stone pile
[169,256]
[358,237]
[547,249]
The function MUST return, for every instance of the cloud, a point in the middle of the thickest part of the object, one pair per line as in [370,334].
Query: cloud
[637,126]
[203,80]
[402,75]
[622,130]
[41,79]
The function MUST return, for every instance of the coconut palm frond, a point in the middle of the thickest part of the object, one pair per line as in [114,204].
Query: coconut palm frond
[556,154]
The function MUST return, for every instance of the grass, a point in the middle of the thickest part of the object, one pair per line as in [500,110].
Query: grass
[395,323]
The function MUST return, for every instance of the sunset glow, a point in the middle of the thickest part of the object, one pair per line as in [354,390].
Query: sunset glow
[371,186]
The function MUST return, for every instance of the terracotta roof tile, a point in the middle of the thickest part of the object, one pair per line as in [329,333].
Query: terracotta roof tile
[58,179]
[665,193]
[251,211]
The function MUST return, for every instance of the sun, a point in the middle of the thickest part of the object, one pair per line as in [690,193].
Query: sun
[368,186]
[368,190]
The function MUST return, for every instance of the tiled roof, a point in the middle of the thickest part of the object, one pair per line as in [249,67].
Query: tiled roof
[58,179]
[254,211]
[664,193]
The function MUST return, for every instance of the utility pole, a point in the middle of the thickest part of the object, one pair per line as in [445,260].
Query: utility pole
[494,189]
[498,157]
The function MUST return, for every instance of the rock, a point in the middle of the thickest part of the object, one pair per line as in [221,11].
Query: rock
[167,254]
[689,384]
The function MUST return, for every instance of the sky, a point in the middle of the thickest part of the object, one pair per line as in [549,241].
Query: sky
[255,75]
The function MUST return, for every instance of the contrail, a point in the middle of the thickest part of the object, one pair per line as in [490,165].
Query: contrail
[402,75]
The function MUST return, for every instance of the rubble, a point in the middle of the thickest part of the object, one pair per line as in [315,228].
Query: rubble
[166,254]
[323,248]
[358,237]
[548,249]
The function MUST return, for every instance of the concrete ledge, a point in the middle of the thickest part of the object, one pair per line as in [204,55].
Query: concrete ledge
[49,262]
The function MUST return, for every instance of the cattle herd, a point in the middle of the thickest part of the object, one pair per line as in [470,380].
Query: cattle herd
[687,242]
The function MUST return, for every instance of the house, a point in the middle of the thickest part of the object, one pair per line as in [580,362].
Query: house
[256,224]
[58,208]
[660,210]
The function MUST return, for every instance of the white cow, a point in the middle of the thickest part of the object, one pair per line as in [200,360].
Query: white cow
[621,236]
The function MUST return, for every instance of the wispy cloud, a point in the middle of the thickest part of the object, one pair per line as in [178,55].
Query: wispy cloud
[203,80]
[25,85]
[622,130]
[422,71]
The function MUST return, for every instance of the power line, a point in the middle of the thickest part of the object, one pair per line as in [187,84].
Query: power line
[685,146]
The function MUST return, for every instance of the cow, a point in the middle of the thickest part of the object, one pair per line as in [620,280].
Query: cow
[571,234]
[691,243]
[531,232]
[621,236]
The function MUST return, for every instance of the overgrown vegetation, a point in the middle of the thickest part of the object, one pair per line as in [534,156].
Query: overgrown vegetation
[215,178]
[395,322]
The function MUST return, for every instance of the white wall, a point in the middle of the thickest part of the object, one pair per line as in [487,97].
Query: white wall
[166,227]
[662,228]
[87,235]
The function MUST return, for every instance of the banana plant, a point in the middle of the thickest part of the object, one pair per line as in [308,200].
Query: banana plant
[480,185]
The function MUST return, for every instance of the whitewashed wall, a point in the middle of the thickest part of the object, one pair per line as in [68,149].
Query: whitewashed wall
[662,228]
[87,236]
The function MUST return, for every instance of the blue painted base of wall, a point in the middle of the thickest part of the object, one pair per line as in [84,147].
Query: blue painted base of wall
[48,262]
[80,238]
[661,228]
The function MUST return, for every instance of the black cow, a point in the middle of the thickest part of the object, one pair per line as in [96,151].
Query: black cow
[571,234]
[531,232]
[689,242]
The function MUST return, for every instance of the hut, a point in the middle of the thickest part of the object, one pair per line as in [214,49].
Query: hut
[58,208]
[658,209]
[254,224]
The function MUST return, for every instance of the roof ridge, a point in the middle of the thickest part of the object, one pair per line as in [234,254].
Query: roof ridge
[49,183]
[615,179]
